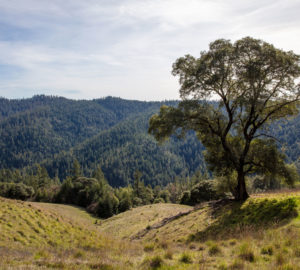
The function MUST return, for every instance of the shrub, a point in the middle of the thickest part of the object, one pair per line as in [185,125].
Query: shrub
[186,198]
[204,191]
[16,191]
[137,201]
[107,206]
[158,200]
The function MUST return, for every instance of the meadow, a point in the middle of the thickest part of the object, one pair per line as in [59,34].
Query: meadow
[261,233]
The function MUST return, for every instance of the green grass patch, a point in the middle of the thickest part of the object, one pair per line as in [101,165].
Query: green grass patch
[255,213]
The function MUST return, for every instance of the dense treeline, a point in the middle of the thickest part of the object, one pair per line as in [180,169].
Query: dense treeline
[35,129]
[126,148]
[94,193]
[112,132]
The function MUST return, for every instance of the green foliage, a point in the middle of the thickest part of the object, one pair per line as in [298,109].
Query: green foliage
[112,132]
[205,190]
[55,131]
[107,205]
[186,198]
[16,191]
[256,85]
[125,199]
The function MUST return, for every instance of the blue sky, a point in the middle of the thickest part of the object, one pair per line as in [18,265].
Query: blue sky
[87,49]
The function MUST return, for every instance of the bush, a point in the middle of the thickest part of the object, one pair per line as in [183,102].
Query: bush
[16,191]
[137,201]
[204,191]
[107,206]
[186,198]
[158,200]
[125,204]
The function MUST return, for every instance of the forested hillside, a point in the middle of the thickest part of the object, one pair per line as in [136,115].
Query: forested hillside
[109,132]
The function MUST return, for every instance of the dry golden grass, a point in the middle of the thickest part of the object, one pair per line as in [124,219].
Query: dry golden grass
[36,235]
[129,223]
[262,233]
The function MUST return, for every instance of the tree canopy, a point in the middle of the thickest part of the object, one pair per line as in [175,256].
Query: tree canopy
[255,84]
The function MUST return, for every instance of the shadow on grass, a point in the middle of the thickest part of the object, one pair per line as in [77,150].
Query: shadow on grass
[237,219]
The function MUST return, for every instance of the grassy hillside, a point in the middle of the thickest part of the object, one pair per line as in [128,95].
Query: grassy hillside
[127,224]
[34,236]
[262,233]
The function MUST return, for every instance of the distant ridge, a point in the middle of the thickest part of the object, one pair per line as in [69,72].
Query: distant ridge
[110,131]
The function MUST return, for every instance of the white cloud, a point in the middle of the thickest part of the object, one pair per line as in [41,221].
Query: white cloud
[86,49]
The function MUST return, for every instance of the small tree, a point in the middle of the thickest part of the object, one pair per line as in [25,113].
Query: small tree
[255,85]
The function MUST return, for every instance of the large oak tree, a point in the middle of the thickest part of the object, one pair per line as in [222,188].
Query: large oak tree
[254,84]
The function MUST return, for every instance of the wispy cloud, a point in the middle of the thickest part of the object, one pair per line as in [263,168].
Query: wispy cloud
[124,47]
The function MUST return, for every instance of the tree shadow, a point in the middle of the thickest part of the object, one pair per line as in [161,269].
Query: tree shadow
[233,219]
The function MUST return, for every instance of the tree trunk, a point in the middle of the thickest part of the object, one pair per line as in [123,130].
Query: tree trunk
[240,191]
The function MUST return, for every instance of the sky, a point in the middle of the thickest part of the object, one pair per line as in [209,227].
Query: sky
[85,49]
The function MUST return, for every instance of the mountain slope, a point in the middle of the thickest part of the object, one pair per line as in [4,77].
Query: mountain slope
[111,132]
[127,147]
[35,129]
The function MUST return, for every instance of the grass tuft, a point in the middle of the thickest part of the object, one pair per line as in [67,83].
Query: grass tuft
[267,250]
[214,249]
[246,253]
[185,258]
[156,262]
[149,247]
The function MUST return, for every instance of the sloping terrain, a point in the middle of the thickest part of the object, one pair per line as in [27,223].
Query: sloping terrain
[126,225]
[37,236]
[262,233]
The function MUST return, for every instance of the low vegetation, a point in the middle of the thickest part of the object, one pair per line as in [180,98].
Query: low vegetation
[250,236]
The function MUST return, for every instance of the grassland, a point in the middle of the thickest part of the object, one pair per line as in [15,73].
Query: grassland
[34,236]
[261,233]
